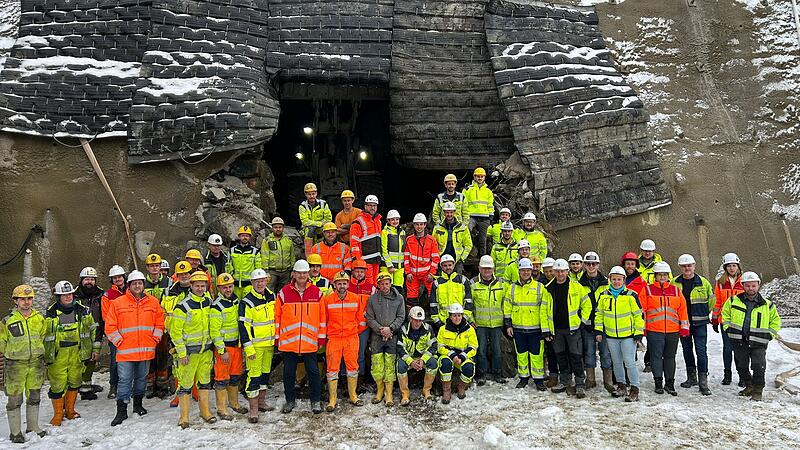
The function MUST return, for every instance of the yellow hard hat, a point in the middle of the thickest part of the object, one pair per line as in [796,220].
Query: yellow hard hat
[347,193]
[23,291]
[479,171]
[314,260]
[450,177]
[193,254]
[244,229]
[153,258]
[183,267]
[198,276]
[536,260]
[223,279]
[341,276]
[310,187]
[329,226]
[384,276]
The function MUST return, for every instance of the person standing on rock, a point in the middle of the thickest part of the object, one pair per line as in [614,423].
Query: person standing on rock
[479,206]
[452,237]
[314,212]
[277,256]
[449,195]
[493,232]
[345,217]
[90,295]
[244,259]
[728,285]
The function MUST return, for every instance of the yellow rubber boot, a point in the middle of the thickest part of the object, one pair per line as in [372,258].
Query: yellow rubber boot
[388,394]
[205,411]
[183,405]
[352,386]
[426,388]
[222,404]
[404,391]
[233,400]
[332,385]
[58,412]
[379,392]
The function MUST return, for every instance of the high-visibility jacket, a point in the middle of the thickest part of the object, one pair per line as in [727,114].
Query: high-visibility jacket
[200,268]
[523,306]
[392,240]
[420,255]
[646,270]
[22,338]
[277,253]
[423,347]
[68,327]
[365,238]
[344,314]
[257,323]
[576,276]
[759,328]
[109,296]
[664,308]
[503,253]
[478,200]
[437,215]
[493,233]
[243,261]
[701,301]
[301,319]
[170,300]
[579,307]
[313,217]
[723,291]
[190,327]
[457,340]
[636,283]
[592,285]
[335,258]
[447,290]
[224,322]
[460,237]
[363,289]
[156,288]
[512,272]
[135,327]
[535,238]
[487,298]
[619,317]
[322,283]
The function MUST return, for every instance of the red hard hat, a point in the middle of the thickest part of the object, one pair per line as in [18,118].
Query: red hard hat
[630,256]
[359,264]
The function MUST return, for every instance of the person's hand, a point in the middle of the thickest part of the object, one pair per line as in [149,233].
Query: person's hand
[457,360]
[684,332]
[386,332]
[95,356]
[226,357]
[598,338]
[637,339]
[392,270]
[252,357]
[409,277]
[417,364]
[430,278]
[547,337]
[321,342]
[715,325]
[510,332]
[184,361]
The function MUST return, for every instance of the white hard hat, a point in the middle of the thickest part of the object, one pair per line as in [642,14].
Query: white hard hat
[371,199]
[416,313]
[88,272]
[648,245]
[523,243]
[455,308]
[258,274]
[64,287]
[420,218]
[591,257]
[301,266]
[685,259]
[617,270]
[529,216]
[393,214]
[277,221]
[560,264]
[525,263]
[505,210]
[575,257]
[730,258]
[449,206]
[135,275]
[215,239]
[164,264]
[486,262]
[115,270]
[661,267]
[507,226]
[750,276]
[447,258]
[548,262]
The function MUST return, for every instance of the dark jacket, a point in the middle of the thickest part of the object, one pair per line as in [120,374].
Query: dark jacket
[385,311]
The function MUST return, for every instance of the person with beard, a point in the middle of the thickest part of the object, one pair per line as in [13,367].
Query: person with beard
[116,274]
[215,258]
[278,256]
[385,315]
[244,259]
[90,296]
[175,295]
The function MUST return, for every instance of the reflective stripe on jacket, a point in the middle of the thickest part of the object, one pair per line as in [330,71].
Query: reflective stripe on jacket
[424,347]
[504,254]
[22,338]
[335,258]
[487,299]
[447,290]
[300,319]
[478,200]
[437,215]
[701,301]
[457,340]
[579,307]
[764,320]
[312,218]
[365,238]
[523,306]
[190,327]
[344,314]
[392,241]
[619,317]
[724,291]
[664,308]
[462,241]
[277,254]
[257,322]
[68,330]
[135,327]
[420,255]
[243,261]
[363,289]
[224,322]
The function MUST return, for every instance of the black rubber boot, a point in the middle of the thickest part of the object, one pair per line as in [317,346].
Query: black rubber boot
[137,405]
[726,378]
[659,385]
[691,379]
[122,413]
[669,386]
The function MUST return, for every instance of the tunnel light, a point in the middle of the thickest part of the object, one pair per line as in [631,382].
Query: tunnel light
[299,156]
[308,131]
[362,155]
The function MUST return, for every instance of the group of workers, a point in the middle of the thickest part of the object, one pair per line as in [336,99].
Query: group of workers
[365,294]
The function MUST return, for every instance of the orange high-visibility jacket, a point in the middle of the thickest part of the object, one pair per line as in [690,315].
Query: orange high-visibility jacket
[421,256]
[105,301]
[365,238]
[362,289]
[335,258]
[300,320]
[722,292]
[135,326]
[344,315]
[664,308]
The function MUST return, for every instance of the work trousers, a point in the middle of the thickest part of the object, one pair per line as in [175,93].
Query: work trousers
[489,344]
[748,358]
[568,346]
[623,358]
[696,343]
[663,347]
[290,361]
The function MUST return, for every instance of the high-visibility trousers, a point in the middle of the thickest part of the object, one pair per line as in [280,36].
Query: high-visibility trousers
[413,286]
[198,368]
[258,370]
[228,372]
[341,348]
[530,354]
[66,372]
[23,376]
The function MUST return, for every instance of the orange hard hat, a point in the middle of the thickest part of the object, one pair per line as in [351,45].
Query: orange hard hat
[360,264]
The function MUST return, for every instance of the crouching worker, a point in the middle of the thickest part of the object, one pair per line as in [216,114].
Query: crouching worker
[458,345]
[224,330]
[22,345]
[416,352]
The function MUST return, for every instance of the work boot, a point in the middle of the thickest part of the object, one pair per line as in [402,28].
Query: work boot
[580,392]
[205,411]
[387,395]
[379,392]
[253,416]
[404,391]
[608,380]
[15,426]
[498,378]
[659,385]
[58,412]
[703,383]
[757,394]
[647,368]
[96,388]
[619,391]
[591,381]
[746,392]
[446,391]
[669,387]
[540,385]
[691,379]
[112,391]
[32,419]
[262,402]
[480,380]
[151,389]
[571,389]
[183,404]
[523,383]
[122,413]
[633,395]
[221,396]
[288,407]
[174,402]
[70,397]
[360,388]
[461,389]
[332,392]
[741,384]
[316,407]
[558,388]
[137,405]
[233,400]
[426,387]
[87,393]
[552,381]
[726,378]
[352,391]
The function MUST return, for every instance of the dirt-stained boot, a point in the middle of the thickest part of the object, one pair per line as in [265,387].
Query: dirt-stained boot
[352,391]
[70,398]
[252,417]
[332,393]
[633,395]
[379,392]
[608,380]
[404,391]
[461,389]
[426,387]
[387,396]
[446,391]
[233,400]
[221,395]
[203,404]
[591,380]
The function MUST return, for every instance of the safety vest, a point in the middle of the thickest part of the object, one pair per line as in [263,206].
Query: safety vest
[447,290]
[365,238]
[322,283]
[392,241]
[701,301]
[344,315]
[423,347]
[576,276]
[619,317]
[224,322]
[135,326]
[457,340]
[646,270]
[487,299]
[437,215]
[478,200]
[363,289]
[512,272]
[535,238]
[664,309]
[420,255]
[171,298]
[156,288]
[68,330]
[335,258]
[257,323]
[243,261]
[301,320]
[724,291]
[22,338]
[523,305]
[277,253]
[579,307]
[592,286]
[312,218]
[462,241]
[764,320]
[190,327]
[503,254]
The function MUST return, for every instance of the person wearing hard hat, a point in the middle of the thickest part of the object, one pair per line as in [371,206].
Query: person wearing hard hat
[134,325]
[479,207]
[633,278]
[487,297]
[728,285]
[667,320]
[568,309]
[314,212]
[751,321]
[216,258]
[700,301]
[89,295]
[244,259]
[257,335]
[452,237]
[620,324]
[363,289]
[523,316]
[335,255]
[550,358]
[344,311]
[68,343]
[493,232]
[575,261]
[195,260]
[457,343]
[190,332]
[315,274]
[224,331]
[386,313]
[547,271]
[449,195]
[158,383]
[116,275]
[448,288]
[365,237]
[592,279]
[420,260]
[277,256]
[155,283]
[301,329]
[345,217]
[416,350]
[392,239]
[505,250]
[535,238]
[523,251]
[22,335]
[165,269]
[647,259]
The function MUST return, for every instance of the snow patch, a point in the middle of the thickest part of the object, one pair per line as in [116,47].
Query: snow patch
[179,86]
[98,68]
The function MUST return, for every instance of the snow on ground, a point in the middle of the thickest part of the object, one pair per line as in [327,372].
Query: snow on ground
[491,416]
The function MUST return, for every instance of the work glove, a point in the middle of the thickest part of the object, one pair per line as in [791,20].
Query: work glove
[715,325]
[684,332]
[547,336]
[321,342]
